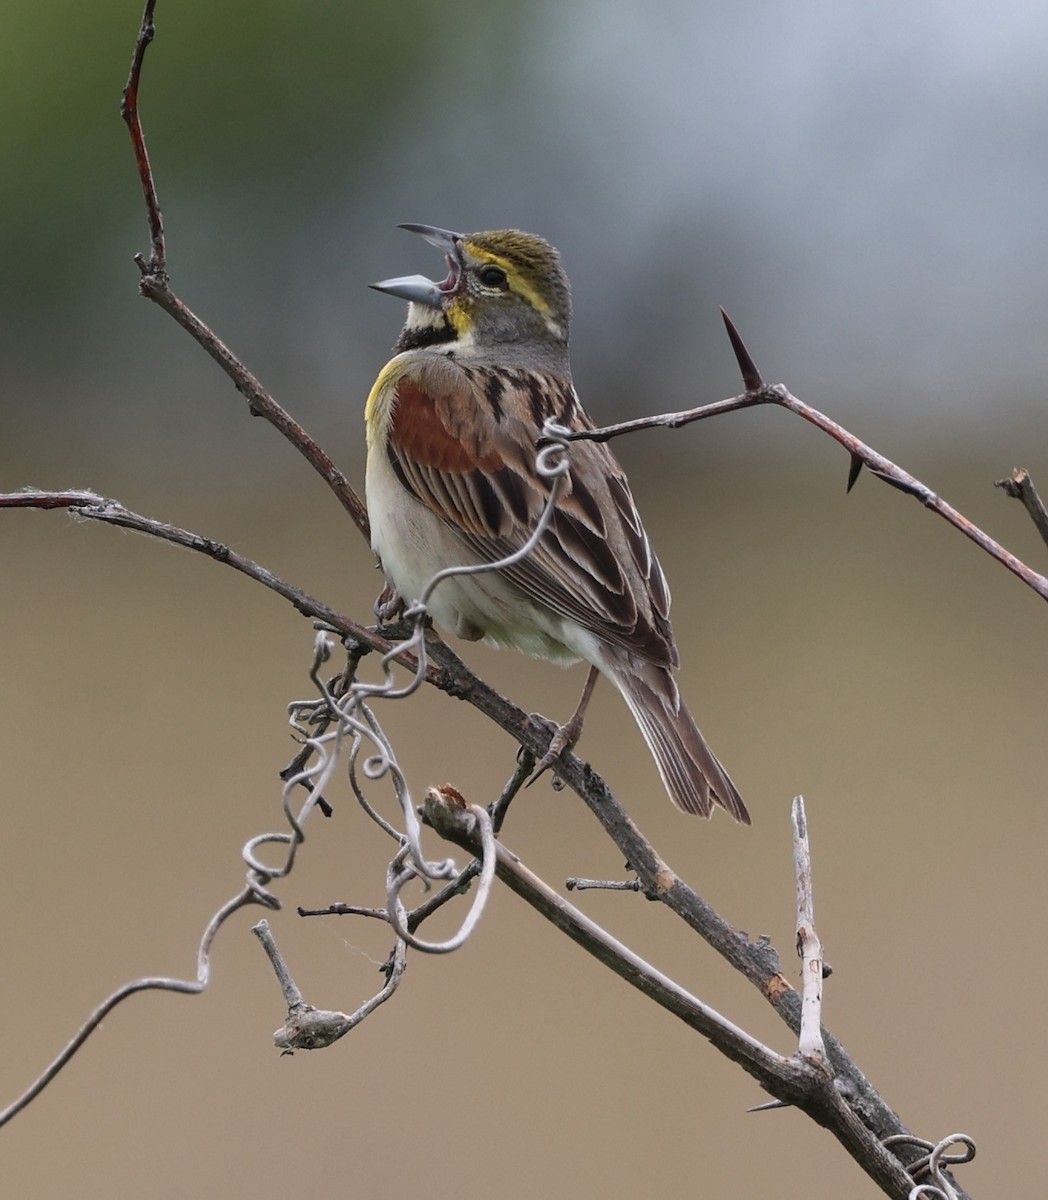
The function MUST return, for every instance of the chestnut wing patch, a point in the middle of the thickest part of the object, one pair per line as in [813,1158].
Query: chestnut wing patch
[468,454]
[441,450]
[422,433]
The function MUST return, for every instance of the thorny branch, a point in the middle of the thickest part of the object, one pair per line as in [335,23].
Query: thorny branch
[799,1080]
[841,1098]
[849,1105]
[445,813]
[758,392]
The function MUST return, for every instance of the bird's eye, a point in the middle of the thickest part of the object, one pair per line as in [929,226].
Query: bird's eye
[492,276]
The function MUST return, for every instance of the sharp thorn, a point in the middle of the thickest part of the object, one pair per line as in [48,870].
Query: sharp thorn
[854,470]
[751,377]
[769,1106]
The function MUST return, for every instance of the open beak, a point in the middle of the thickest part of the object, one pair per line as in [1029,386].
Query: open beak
[417,288]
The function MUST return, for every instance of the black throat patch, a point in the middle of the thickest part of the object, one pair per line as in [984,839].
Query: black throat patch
[418,337]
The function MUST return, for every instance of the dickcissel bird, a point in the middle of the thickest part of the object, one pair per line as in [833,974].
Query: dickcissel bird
[452,425]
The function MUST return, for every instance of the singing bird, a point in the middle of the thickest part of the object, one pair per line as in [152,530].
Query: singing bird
[452,426]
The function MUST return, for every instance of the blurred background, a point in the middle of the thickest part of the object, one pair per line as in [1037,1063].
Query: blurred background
[864,189]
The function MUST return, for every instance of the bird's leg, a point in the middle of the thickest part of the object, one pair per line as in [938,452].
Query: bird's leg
[389,605]
[565,736]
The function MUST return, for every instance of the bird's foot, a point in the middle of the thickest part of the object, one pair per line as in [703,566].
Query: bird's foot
[562,737]
[389,605]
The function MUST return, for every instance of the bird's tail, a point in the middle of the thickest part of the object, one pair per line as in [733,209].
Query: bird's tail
[691,772]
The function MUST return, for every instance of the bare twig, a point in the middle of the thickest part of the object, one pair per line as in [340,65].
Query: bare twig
[341,909]
[310,1028]
[456,886]
[98,508]
[519,778]
[402,870]
[157,263]
[292,994]
[858,451]
[446,816]
[1020,487]
[578,884]
[796,1081]
[756,960]
[154,285]
[808,945]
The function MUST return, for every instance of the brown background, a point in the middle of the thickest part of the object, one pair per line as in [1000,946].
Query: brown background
[851,648]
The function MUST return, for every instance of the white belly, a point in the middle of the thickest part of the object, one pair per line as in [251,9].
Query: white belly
[414,544]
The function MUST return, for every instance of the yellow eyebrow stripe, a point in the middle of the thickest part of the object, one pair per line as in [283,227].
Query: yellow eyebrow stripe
[513,277]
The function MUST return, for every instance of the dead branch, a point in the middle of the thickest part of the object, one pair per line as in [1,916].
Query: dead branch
[800,1081]
[155,286]
[1020,487]
[860,454]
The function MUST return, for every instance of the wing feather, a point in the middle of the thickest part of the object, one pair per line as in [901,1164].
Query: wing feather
[463,442]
